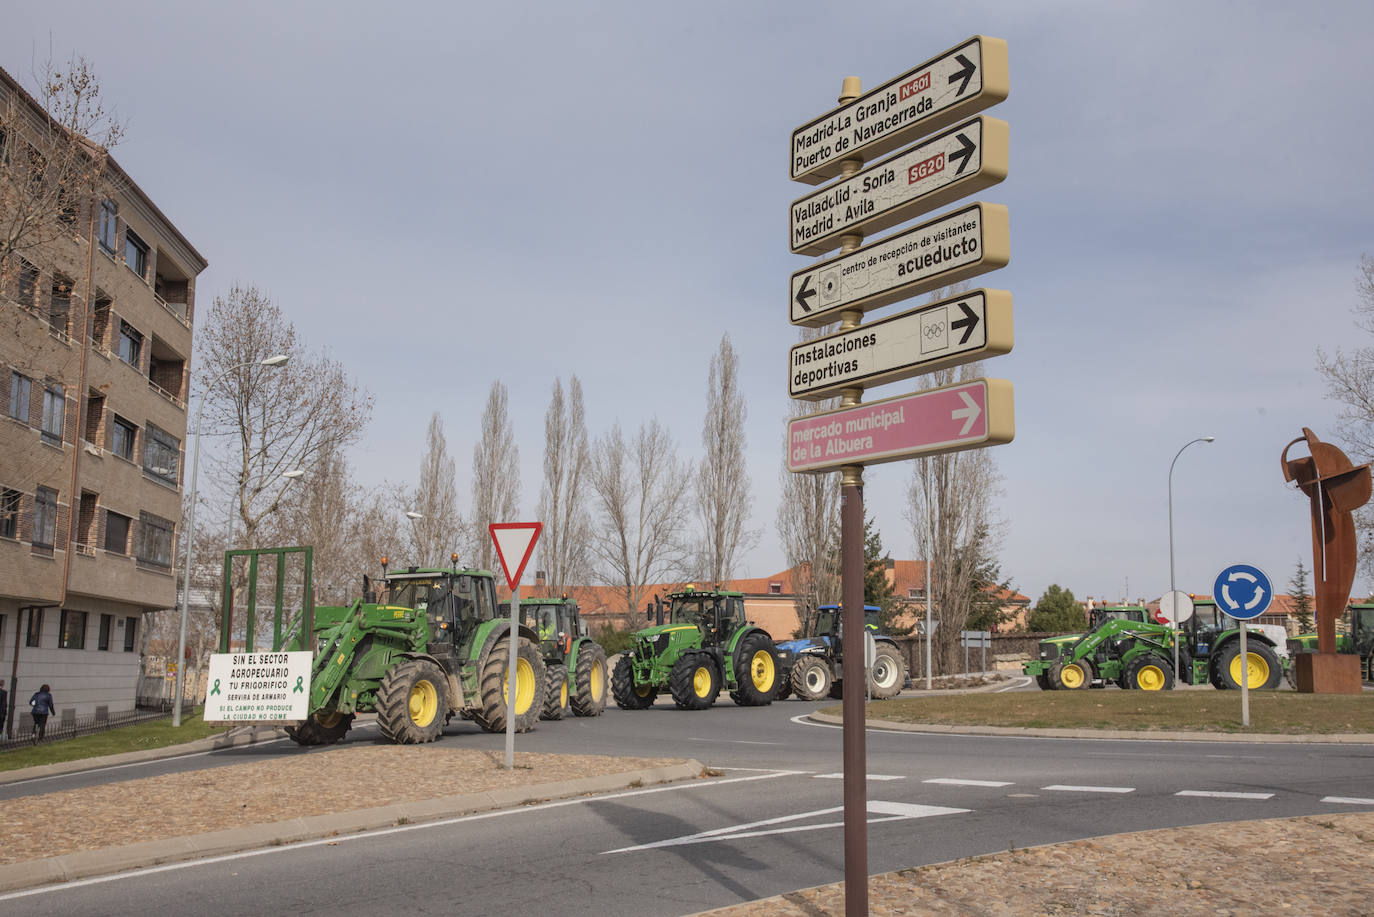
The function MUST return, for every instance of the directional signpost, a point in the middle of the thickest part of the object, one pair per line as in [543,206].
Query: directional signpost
[514,545]
[956,246]
[959,155]
[1243,592]
[948,333]
[953,85]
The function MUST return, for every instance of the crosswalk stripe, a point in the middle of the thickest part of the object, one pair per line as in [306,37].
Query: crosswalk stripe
[1218,795]
[1349,800]
[955,781]
[1068,788]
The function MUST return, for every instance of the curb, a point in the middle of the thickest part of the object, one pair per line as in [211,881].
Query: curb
[1113,734]
[86,864]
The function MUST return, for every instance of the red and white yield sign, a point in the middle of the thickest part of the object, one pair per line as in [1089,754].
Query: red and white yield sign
[950,419]
[514,542]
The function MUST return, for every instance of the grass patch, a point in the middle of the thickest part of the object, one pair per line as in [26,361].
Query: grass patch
[1277,712]
[156,734]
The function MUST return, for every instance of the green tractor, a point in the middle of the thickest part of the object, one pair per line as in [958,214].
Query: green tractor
[1054,650]
[576,664]
[429,646]
[705,645]
[1211,640]
[1356,638]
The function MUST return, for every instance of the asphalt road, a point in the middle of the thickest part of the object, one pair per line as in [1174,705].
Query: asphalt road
[771,823]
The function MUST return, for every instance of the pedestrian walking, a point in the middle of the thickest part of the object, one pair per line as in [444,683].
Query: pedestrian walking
[4,706]
[41,704]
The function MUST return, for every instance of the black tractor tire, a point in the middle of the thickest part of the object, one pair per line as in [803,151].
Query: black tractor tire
[1075,675]
[756,671]
[694,681]
[1149,672]
[589,681]
[555,692]
[324,727]
[412,702]
[784,689]
[1268,671]
[836,691]
[811,678]
[887,674]
[1043,680]
[530,681]
[628,695]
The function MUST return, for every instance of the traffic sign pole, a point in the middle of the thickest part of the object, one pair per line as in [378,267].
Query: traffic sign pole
[1243,591]
[514,544]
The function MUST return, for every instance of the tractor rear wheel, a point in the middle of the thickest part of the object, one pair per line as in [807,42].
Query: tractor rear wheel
[1149,673]
[888,672]
[1075,675]
[694,681]
[494,684]
[412,701]
[1260,670]
[555,692]
[628,695]
[324,727]
[756,671]
[589,681]
[1043,680]
[811,678]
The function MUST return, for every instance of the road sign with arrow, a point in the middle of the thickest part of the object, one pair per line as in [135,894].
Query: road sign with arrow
[954,331]
[1243,591]
[956,246]
[960,82]
[964,416]
[964,159]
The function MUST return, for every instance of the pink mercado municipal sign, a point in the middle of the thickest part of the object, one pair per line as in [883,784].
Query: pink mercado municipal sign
[964,416]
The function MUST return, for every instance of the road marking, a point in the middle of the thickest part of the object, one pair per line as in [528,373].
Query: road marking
[384,832]
[870,777]
[1217,795]
[1020,682]
[889,811]
[730,741]
[1349,800]
[1068,788]
[955,781]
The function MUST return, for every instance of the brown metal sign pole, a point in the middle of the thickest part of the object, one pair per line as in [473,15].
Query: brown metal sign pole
[855,756]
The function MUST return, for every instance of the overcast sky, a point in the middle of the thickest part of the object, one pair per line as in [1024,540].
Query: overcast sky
[444,194]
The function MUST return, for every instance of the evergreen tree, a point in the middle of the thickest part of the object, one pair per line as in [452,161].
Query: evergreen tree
[986,599]
[877,587]
[1302,602]
[1057,611]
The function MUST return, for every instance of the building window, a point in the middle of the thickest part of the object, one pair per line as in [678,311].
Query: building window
[106,625]
[136,254]
[21,390]
[28,284]
[108,214]
[61,307]
[130,343]
[34,629]
[9,513]
[129,625]
[122,437]
[161,454]
[72,636]
[117,533]
[54,413]
[45,518]
[154,541]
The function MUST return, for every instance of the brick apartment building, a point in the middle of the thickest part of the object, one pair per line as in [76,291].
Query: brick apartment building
[95,343]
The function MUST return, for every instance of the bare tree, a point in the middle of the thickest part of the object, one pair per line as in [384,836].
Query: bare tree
[276,420]
[51,166]
[436,534]
[640,493]
[564,551]
[1350,383]
[495,476]
[722,480]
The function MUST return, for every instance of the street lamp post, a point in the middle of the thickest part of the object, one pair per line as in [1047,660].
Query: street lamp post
[1200,439]
[271,362]
[415,517]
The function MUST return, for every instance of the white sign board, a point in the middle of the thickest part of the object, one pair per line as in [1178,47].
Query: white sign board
[969,327]
[956,246]
[1175,607]
[258,687]
[948,166]
[953,85]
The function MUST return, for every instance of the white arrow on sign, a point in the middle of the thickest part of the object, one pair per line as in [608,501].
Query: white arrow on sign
[969,413]
[955,246]
[960,82]
[948,166]
[948,333]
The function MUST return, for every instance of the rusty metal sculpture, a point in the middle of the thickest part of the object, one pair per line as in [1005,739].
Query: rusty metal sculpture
[1336,488]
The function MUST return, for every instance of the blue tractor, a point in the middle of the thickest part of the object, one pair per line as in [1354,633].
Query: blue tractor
[813,666]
